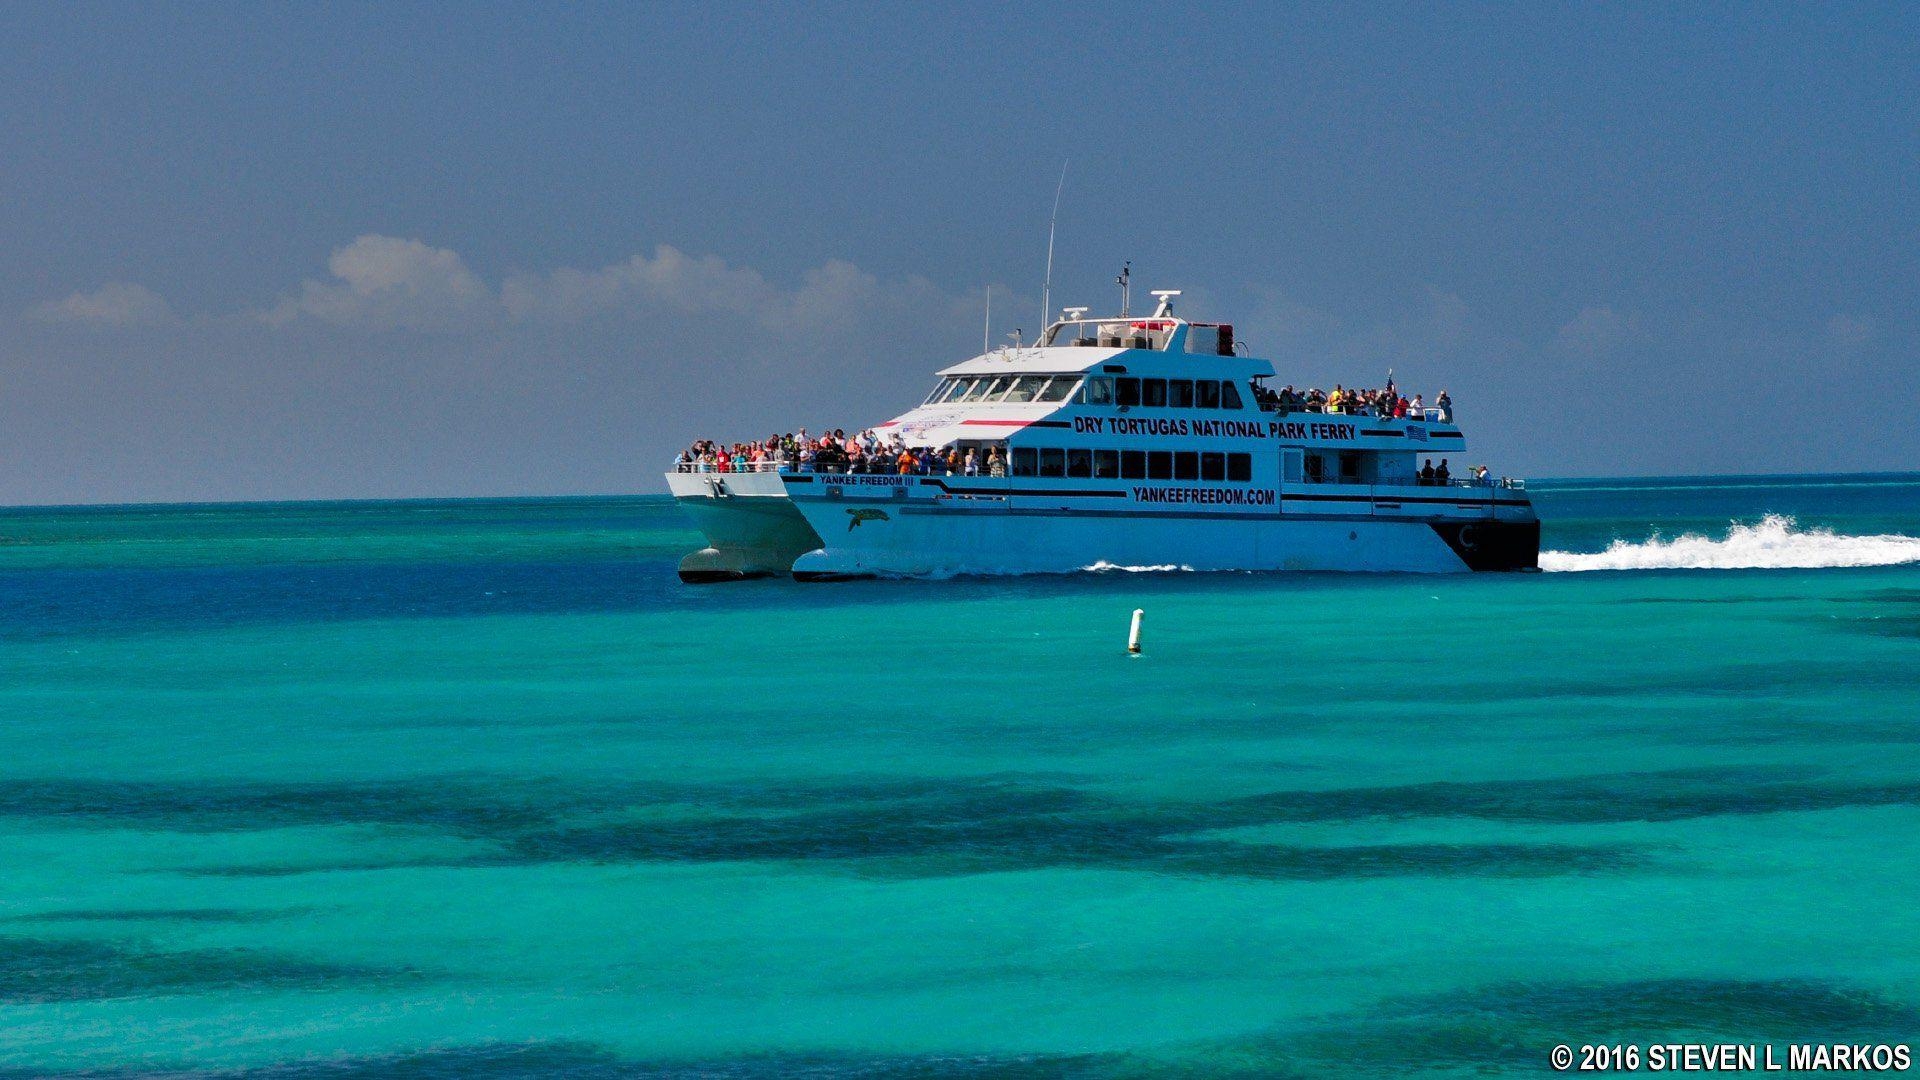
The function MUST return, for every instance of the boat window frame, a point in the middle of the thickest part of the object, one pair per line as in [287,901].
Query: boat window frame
[1151,389]
[1124,387]
[1046,396]
[1206,394]
[1106,465]
[1230,395]
[1178,388]
[1159,464]
[1133,464]
[1053,462]
[1014,459]
[1213,465]
[1097,390]
[993,390]
[1039,383]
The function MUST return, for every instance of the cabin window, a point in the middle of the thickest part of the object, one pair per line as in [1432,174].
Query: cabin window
[1079,463]
[1099,391]
[1129,391]
[1053,462]
[1133,464]
[1186,465]
[1106,464]
[986,389]
[1206,394]
[1180,393]
[1240,467]
[1025,387]
[1023,461]
[1229,396]
[1316,468]
[1153,392]
[1060,389]
[1159,464]
[951,390]
[939,391]
[1350,467]
[1213,466]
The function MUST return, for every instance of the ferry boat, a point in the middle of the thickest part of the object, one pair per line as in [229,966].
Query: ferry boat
[1124,441]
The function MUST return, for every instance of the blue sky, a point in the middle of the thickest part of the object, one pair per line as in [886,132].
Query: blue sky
[280,251]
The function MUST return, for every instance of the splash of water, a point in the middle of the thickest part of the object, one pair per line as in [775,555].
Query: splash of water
[1774,542]
[1103,566]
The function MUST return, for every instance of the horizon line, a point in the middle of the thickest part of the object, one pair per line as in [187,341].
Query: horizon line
[586,496]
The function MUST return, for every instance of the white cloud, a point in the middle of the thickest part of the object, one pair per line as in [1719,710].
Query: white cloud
[384,282]
[1594,331]
[832,295]
[116,303]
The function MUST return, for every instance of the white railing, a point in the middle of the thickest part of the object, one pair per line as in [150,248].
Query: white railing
[738,467]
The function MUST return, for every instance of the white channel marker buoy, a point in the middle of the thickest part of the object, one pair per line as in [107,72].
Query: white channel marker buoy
[1133,635]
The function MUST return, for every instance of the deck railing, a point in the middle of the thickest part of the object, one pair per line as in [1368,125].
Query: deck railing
[1506,482]
[1431,414]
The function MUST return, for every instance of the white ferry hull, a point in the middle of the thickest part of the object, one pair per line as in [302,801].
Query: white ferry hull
[752,528]
[912,541]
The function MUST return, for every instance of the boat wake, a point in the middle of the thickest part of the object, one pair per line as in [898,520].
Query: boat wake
[1772,543]
[1104,567]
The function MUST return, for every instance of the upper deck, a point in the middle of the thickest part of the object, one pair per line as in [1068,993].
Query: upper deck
[1157,377]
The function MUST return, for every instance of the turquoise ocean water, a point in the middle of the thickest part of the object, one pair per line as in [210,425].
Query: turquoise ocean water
[480,789]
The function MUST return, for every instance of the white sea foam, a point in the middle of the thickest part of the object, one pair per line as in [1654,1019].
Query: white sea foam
[1103,566]
[1772,543]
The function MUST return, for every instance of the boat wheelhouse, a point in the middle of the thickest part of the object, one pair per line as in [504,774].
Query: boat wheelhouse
[1122,441]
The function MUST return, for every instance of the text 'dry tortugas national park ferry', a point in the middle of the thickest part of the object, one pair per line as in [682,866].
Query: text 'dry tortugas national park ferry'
[1126,441]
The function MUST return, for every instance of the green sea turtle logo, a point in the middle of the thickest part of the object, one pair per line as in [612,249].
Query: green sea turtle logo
[856,515]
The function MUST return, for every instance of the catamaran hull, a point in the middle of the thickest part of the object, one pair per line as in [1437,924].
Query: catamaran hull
[914,542]
[752,528]
[755,527]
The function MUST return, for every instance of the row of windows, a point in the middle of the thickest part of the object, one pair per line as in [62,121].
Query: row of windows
[1003,388]
[1171,393]
[1132,464]
[1100,390]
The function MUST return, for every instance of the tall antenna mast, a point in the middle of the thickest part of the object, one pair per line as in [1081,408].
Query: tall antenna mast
[986,332]
[1046,287]
[1125,281]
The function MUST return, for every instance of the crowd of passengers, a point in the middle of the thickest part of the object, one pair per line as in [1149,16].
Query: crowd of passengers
[1385,402]
[838,452]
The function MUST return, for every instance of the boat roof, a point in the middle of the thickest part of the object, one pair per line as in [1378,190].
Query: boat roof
[1078,344]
